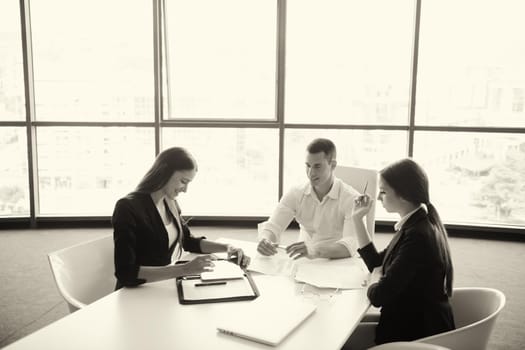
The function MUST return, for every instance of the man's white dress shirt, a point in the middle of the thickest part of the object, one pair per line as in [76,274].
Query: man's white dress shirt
[323,221]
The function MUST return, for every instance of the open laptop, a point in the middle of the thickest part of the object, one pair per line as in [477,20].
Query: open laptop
[266,322]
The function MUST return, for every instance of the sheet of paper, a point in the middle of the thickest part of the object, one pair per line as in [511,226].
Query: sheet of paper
[337,273]
[279,264]
[223,270]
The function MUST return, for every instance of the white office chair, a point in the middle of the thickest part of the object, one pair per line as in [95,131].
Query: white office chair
[475,312]
[406,345]
[84,272]
[358,179]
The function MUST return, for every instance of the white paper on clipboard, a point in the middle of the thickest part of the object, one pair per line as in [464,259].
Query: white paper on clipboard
[223,270]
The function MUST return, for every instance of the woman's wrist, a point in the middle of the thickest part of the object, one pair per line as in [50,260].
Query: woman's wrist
[178,270]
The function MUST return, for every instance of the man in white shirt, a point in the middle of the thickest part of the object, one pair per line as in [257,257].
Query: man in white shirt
[322,207]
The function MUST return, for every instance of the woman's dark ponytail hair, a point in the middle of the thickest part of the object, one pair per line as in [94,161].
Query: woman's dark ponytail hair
[410,182]
[167,162]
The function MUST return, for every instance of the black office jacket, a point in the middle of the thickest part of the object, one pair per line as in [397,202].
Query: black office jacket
[141,238]
[411,292]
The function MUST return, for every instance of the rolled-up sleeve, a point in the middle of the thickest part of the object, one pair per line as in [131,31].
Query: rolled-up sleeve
[124,235]
[348,238]
[281,217]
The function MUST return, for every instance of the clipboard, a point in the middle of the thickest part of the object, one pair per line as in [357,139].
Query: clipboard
[192,290]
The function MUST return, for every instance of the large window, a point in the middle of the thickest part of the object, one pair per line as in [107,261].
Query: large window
[472,75]
[246,85]
[471,63]
[14,193]
[11,68]
[93,60]
[348,62]
[221,59]
[14,183]
[83,171]
[475,177]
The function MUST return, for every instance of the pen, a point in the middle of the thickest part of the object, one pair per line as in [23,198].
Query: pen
[209,284]
[187,220]
[232,259]
[194,277]
[279,246]
[364,191]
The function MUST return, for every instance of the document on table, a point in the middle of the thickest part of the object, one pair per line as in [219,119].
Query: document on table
[279,264]
[337,273]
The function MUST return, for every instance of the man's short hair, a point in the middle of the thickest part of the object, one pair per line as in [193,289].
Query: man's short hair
[323,145]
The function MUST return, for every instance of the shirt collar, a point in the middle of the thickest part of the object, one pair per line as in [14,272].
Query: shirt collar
[398,225]
[333,193]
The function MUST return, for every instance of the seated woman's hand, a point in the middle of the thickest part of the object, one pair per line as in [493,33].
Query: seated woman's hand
[241,259]
[198,265]
[362,205]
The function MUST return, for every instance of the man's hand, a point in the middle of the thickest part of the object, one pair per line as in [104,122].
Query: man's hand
[265,247]
[299,250]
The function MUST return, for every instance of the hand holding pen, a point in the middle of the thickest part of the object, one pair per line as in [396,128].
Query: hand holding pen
[362,204]
[268,248]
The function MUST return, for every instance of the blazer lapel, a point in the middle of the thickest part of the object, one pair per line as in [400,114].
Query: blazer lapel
[154,214]
[390,248]
[418,215]
[175,215]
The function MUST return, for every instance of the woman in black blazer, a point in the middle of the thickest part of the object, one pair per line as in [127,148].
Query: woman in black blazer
[149,231]
[416,266]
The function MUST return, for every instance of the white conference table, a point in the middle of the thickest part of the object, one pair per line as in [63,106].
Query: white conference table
[151,317]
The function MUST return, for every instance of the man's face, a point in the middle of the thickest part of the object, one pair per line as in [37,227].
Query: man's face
[319,168]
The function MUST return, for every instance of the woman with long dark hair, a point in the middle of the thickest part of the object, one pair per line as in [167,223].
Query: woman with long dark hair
[149,231]
[417,274]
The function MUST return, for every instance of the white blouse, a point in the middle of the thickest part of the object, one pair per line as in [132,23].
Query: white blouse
[173,232]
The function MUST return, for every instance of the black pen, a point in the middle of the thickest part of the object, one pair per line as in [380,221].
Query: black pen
[232,259]
[209,284]
[279,246]
[192,277]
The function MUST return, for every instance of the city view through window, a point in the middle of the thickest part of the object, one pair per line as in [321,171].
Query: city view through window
[233,82]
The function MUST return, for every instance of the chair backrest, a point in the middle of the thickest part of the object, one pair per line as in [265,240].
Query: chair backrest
[475,312]
[84,272]
[358,179]
[406,345]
